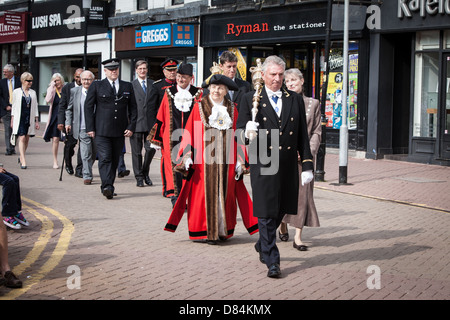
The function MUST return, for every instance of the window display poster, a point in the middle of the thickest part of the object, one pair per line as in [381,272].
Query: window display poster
[333,106]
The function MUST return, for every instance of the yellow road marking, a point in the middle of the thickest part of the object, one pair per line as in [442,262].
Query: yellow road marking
[55,258]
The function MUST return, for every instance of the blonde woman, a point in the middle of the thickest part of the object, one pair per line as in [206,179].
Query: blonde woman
[24,115]
[53,97]
[307,213]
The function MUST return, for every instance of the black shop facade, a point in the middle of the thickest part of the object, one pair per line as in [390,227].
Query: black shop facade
[297,34]
[409,94]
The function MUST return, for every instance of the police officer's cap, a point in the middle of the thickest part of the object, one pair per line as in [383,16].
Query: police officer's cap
[111,64]
[186,69]
[220,79]
[169,64]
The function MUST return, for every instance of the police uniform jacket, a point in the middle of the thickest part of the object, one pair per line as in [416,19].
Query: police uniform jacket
[109,115]
[275,181]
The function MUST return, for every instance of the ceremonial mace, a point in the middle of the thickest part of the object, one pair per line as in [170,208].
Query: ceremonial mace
[258,82]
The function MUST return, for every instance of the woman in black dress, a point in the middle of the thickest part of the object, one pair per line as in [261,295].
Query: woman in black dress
[51,131]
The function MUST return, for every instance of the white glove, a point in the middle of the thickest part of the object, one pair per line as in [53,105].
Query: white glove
[154,146]
[238,169]
[188,163]
[307,177]
[251,127]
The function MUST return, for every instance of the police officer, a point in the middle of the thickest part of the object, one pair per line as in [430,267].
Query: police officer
[110,115]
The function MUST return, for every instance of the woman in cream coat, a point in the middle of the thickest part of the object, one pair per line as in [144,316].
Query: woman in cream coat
[24,115]
[307,213]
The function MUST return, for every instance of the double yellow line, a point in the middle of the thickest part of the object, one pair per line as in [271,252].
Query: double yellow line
[39,246]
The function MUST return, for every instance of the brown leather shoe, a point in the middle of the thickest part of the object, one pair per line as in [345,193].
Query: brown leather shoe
[87,181]
[12,281]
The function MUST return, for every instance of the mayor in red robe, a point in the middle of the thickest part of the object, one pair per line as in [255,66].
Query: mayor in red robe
[171,119]
[213,188]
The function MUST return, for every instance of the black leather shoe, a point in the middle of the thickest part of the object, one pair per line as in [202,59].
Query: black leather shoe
[108,193]
[124,173]
[274,271]
[283,236]
[300,247]
[148,181]
[139,183]
[69,170]
[258,249]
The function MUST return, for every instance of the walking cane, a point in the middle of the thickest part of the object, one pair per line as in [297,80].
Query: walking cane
[64,158]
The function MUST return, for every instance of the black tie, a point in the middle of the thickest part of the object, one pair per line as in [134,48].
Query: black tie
[114,88]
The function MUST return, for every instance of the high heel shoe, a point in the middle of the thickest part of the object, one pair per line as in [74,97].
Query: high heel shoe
[18,160]
[23,167]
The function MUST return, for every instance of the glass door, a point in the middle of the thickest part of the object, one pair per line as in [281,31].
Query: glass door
[446,111]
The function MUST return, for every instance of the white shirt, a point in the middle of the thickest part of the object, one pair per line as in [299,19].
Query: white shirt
[276,106]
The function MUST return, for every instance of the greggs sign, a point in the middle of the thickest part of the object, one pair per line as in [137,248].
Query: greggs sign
[276,25]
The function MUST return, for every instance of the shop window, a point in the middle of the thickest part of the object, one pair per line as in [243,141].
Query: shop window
[333,105]
[142,4]
[447,39]
[426,88]
[447,98]
[427,40]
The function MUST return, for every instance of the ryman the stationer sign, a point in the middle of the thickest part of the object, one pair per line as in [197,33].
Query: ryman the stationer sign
[273,26]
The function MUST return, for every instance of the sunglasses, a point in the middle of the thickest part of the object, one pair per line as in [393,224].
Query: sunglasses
[29,80]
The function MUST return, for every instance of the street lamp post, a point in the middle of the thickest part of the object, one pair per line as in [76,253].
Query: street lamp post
[86,8]
[343,133]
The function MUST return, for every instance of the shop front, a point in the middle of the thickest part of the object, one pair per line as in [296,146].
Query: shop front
[297,34]
[154,43]
[58,35]
[414,48]
[13,40]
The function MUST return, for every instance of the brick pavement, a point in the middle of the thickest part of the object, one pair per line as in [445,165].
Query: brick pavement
[123,252]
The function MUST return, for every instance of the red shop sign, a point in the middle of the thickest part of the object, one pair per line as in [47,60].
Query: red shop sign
[13,27]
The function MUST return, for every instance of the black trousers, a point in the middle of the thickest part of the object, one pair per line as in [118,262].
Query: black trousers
[268,238]
[69,151]
[109,150]
[141,167]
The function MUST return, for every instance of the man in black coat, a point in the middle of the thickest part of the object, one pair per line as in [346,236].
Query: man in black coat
[273,155]
[169,67]
[7,86]
[110,115]
[70,143]
[228,65]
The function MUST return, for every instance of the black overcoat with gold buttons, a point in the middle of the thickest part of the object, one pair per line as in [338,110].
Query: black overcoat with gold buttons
[107,114]
[273,155]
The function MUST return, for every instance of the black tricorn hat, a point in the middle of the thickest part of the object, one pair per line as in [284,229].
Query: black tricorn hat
[220,79]
[185,68]
[111,64]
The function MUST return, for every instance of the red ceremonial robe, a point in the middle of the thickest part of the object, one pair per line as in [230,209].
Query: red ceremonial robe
[168,119]
[211,190]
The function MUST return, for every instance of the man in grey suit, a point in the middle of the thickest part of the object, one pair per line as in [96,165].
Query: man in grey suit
[228,65]
[75,124]
[142,86]
[7,86]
